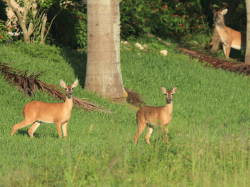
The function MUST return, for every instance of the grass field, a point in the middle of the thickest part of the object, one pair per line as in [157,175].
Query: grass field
[209,135]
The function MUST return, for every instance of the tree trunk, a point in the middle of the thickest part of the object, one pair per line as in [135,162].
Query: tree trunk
[247,55]
[103,74]
[43,29]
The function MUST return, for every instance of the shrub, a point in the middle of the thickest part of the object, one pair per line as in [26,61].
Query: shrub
[4,36]
[135,17]
[162,17]
[70,26]
[138,17]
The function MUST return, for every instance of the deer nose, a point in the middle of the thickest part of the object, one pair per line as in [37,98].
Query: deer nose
[169,99]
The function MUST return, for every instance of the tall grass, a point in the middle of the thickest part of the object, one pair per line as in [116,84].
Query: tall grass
[209,135]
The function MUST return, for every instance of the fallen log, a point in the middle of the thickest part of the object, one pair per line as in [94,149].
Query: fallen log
[29,83]
[134,98]
[239,67]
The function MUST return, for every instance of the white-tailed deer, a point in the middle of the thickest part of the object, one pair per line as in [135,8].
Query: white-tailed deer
[36,112]
[152,116]
[229,37]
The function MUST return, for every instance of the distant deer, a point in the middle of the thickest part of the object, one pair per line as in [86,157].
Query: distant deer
[229,38]
[152,116]
[36,112]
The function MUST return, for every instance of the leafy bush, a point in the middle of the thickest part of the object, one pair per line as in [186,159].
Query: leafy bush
[135,17]
[70,26]
[3,32]
[162,17]
[176,18]
[2,11]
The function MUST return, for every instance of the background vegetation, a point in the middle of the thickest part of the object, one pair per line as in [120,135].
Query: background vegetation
[177,19]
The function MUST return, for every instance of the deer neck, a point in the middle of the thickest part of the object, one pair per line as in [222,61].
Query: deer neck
[169,106]
[220,23]
[69,102]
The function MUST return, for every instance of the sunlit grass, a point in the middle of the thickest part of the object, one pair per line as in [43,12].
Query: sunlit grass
[209,135]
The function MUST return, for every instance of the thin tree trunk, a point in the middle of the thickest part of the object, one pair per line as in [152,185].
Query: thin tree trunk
[247,55]
[103,74]
[43,28]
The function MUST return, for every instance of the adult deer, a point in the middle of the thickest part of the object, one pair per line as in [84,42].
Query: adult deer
[152,116]
[229,37]
[36,112]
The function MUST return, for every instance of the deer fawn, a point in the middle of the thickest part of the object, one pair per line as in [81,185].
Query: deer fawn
[229,38]
[152,116]
[36,112]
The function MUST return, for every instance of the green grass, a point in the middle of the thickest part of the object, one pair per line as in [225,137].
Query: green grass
[209,134]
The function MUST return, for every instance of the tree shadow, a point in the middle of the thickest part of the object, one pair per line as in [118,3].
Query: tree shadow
[78,61]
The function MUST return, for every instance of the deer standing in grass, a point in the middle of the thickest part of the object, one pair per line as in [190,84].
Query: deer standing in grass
[229,37]
[36,112]
[152,116]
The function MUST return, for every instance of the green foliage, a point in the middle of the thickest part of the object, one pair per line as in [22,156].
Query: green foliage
[175,19]
[70,26]
[138,17]
[162,18]
[209,134]
[2,11]
[3,32]
[135,17]
[47,3]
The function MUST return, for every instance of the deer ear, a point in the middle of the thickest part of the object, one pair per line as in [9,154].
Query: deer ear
[164,90]
[75,83]
[63,84]
[224,11]
[174,90]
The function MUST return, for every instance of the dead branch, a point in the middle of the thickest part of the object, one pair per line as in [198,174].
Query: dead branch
[218,63]
[134,98]
[29,83]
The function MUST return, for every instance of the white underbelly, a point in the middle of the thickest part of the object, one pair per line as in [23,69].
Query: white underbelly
[47,122]
[236,47]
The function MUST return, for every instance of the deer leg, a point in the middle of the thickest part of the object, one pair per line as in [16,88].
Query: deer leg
[59,129]
[215,43]
[140,127]
[20,125]
[33,128]
[148,135]
[227,49]
[64,129]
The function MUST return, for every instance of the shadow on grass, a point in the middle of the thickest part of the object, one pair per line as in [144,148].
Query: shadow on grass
[78,61]
[22,132]
[42,135]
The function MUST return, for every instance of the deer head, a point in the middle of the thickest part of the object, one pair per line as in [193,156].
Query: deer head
[168,94]
[219,16]
[68,89]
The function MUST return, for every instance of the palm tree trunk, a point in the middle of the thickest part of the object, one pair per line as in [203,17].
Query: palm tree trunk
[103,75]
